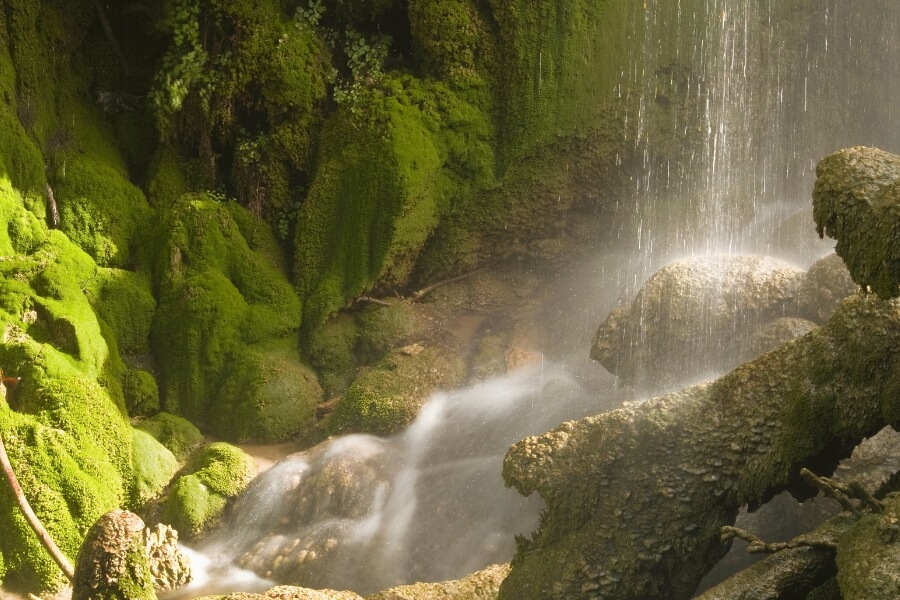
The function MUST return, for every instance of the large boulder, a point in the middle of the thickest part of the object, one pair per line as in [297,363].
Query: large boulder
[826,284]
[690,318]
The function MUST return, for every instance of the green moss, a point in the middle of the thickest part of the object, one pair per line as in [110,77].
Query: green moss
[219,471]
[141,393]
[868,555]
[124,301]
[173,432]
[154,466]
[381,328]
[331,351]
[266,395]
[220,292]
[447,35]
[191,507]
[166,179]
[388,398]
[389,167]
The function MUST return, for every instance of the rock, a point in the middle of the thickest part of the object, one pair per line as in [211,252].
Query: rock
[112,563]
[518,358]
[856,201]
[824,286]
[483,585]
[636,497]
[778,332]
[169,567]
[689,318]
[868,556]
[286,592]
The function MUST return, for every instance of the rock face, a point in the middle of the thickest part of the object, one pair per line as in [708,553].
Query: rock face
[686,319]
[856,201]
[636,497]
[120,560]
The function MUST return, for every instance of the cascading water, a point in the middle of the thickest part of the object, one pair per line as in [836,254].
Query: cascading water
[729,105]
[366,513]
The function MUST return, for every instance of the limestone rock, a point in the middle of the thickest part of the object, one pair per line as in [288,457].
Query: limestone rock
[483,585]
[169,566]
[112,563]
[286,592]
[636,497]
[778,332]
[856,201]
[689,317]
[824,286]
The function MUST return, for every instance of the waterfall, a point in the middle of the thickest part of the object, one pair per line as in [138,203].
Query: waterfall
[729,105]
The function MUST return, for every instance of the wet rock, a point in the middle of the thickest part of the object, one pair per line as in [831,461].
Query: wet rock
[483,585]
[856,201]
[636,497]
[778,332]
[689,318]
[121,560]
[285,592]
[824,286]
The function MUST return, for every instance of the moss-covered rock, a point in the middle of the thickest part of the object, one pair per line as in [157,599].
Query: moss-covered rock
[154,466]
[224,326]
[175,433]
[123,299]
[382,328]
[331,349]
[388,170]
[141,393]
[869,553]
[196,500]
[389,396]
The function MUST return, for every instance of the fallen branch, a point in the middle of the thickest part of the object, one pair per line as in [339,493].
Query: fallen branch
[430,288]
[757,546]
[844,494]
[371,300]
[32,518]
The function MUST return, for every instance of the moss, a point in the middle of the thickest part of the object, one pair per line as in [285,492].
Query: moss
[382,328]
[141,393]
[388,397]
[190,507]
[447,35]
[266,394]
[173,432]
[124,301]
[154,466]
[331,351]
[868,555]
[388,170]
[219,471]
[166,179]
[220,292]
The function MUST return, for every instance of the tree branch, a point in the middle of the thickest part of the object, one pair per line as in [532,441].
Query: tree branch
[32,518]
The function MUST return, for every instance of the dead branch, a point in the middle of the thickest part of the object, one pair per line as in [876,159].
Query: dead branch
[371,300]
[51,200]
[844,494]
[430,288]
[757,546]
[32,518]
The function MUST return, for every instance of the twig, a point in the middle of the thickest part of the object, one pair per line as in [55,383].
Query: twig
[32,518]
[757,546]
[834,490]
[857,489]
[371,300]
[430,288]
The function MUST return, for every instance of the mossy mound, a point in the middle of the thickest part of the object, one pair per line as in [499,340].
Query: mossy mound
[267,395]
[868,555]
[197,499]
[389,168]
[67,436]
[123,299]
[388,397]
[141,392]
[154,466]
[175,433]
[224,306]
[331,349]
[381,328]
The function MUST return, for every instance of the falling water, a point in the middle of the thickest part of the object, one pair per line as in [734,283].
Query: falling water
[728,105]
[366,513]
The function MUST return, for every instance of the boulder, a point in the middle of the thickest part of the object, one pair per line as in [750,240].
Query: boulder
[690,317]
[824,286]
